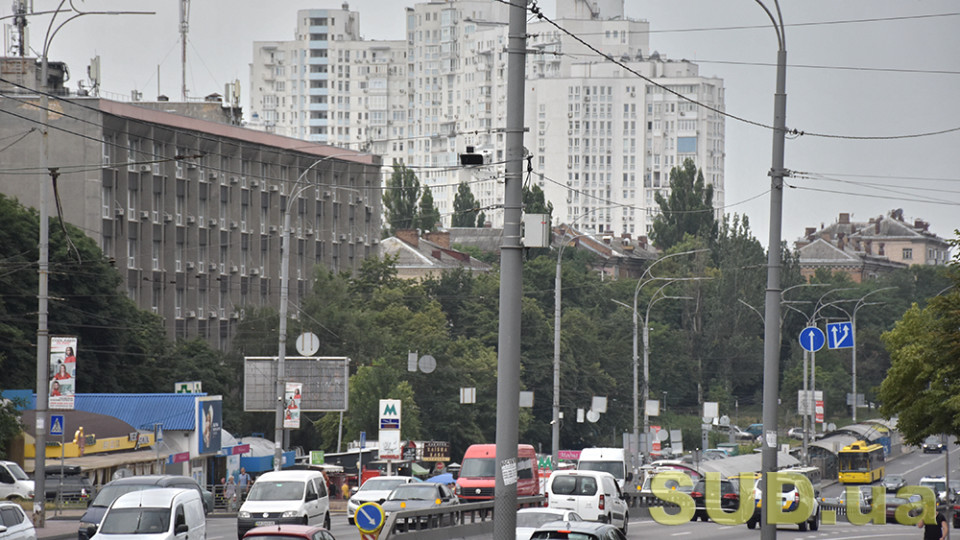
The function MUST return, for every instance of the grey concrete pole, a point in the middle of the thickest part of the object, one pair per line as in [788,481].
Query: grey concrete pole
[511,286]
[771,337]
[853,367]
[43,331]
[555,424]
[806,425]
[641,451]
[282,351]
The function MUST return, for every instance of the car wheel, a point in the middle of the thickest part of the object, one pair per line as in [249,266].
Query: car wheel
[751,524]
[350,520]
[306,520]
[626,520]
[803,526]
[326,521]
[815,524]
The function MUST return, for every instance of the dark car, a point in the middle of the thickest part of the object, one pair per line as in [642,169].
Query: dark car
[729,497]
[418,496]
[73,486]
[111,491]
[289,532]
[579,530]
[893,482]
[894,502]
[932,443]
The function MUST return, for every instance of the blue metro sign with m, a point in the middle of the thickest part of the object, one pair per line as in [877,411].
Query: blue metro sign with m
[840,335]
[389,414]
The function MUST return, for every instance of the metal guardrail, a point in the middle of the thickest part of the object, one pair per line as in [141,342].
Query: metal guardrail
[470,520]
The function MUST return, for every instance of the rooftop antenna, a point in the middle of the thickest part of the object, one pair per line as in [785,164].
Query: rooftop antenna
[184,28]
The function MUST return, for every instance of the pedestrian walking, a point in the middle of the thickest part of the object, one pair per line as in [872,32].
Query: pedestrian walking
[936,530]
[230,493]
[243,483]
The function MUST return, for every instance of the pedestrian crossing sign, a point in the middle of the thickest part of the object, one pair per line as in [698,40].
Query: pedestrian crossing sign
[56,424]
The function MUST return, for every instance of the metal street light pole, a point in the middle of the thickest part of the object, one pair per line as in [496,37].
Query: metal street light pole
[771,332]
[284,293]
[657,296]
[636,351]
[43,264]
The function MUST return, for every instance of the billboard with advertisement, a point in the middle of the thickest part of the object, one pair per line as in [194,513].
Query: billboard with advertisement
[63,371]
[209,424]
[291,400]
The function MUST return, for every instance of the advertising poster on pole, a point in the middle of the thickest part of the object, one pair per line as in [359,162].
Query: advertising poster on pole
[63,371]
[291,415]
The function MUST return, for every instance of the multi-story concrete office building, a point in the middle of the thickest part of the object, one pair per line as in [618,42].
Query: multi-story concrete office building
[604,129]
[192,211]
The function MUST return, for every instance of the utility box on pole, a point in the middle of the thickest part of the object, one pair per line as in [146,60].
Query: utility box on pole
[536,230]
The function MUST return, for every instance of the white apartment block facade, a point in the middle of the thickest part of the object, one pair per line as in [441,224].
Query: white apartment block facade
[602,139]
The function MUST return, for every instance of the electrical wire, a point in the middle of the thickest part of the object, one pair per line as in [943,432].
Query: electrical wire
[797,132]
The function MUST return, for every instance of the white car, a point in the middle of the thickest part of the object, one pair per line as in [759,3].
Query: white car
[376,490]
[530,519]
[595,495]
[789,500]
[14,523]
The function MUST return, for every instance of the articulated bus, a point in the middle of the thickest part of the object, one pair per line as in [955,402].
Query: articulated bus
[861,463]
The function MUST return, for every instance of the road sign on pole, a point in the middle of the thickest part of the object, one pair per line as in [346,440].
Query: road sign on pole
[812,339]
[56,424]
[840,335]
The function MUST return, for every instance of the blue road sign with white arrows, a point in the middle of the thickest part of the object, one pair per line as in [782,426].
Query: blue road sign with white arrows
[811,338]
[840,335]
[369,517]
[56,424]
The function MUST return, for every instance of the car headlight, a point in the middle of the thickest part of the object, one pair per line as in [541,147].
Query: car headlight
[85,524]
[353,502]
[291,513]
[243,514]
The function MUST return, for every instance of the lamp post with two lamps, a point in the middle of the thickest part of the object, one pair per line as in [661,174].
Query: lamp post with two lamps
[852,315]
[284,294]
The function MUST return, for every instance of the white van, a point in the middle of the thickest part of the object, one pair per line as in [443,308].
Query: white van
[611,460]
[14,483]
[164,514]
[595,495]
[285,497]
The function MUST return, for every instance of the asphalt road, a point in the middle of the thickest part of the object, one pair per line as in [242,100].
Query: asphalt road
[914,466]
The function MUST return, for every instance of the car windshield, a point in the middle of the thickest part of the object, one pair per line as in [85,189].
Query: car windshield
[17,472]
[273,537]
[136,521]
[110,493]
[413,492]
[478,468]
[932,440]
[936,485]
[381,484]
[536,519]
[613,467]
[276,491]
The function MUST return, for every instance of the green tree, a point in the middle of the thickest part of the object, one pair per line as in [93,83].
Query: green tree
[10,426]
[688,210]
[465,211]
[428,215]
[922,387]
[400,199]
[534,201]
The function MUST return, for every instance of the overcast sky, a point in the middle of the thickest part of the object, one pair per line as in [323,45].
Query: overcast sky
[872,78]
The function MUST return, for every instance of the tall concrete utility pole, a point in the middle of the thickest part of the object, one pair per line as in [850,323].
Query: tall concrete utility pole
[184,28]
[511,288]
[771,326]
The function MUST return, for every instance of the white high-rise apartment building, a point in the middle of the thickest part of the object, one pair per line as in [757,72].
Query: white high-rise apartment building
[602,139]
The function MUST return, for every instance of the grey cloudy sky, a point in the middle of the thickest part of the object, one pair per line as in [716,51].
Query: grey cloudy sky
[872,78]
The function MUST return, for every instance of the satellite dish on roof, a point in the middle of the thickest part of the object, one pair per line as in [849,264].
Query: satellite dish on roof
[593,415]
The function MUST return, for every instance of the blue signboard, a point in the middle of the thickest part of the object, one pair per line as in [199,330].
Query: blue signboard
[811,339]
[389,423]
[56,424]
[840,335]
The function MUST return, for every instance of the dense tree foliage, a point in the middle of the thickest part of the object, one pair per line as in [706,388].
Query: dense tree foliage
[922,386]
[688,209]
[428,215]
[406,205]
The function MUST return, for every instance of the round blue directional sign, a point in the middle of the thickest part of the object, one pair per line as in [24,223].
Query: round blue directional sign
[812,339]
[369,517]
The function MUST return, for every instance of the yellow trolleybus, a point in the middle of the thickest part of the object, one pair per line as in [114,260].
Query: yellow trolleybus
[861,463]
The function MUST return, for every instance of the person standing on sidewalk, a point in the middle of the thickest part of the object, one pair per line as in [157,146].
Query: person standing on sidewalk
[937,530]
[230,493]
[243,483]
